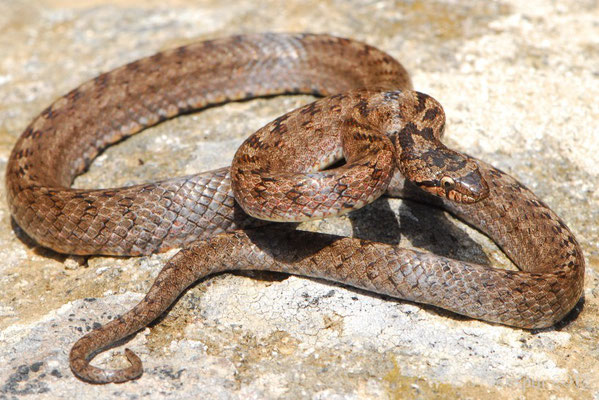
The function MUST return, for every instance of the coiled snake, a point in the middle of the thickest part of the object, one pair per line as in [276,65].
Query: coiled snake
[275,176]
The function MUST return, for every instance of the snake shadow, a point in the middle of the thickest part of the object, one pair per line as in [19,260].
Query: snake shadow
[427,227]
[39,250]
[423,225]
[416,224]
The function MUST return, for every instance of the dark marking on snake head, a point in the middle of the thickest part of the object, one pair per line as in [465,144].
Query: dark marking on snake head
[405,135]
[431,114]
[426,134]
[421,97]
[435,158]
[455,162]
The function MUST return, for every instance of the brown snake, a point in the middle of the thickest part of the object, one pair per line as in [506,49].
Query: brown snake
[198,212]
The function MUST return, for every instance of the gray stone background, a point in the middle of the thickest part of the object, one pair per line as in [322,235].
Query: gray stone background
[519,81]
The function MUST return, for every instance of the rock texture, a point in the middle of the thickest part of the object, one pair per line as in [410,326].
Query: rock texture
[519,82]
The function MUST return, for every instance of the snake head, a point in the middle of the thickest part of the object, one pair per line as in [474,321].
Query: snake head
[450,175]
[428,163]
[467,189]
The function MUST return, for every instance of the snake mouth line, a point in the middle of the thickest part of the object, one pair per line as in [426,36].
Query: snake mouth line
[458,197]
[452,194]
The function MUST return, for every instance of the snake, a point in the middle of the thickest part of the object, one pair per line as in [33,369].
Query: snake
[370,134]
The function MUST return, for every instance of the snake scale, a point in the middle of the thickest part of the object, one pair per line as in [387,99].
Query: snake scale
[371,118]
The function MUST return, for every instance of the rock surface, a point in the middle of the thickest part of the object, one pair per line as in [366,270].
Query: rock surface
[519,82]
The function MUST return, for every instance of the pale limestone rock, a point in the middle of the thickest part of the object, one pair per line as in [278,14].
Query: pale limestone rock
[519,82]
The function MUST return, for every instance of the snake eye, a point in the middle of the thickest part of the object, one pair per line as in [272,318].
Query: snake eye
[447,183]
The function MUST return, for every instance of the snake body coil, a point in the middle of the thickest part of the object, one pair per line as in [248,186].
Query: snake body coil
[199,212]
